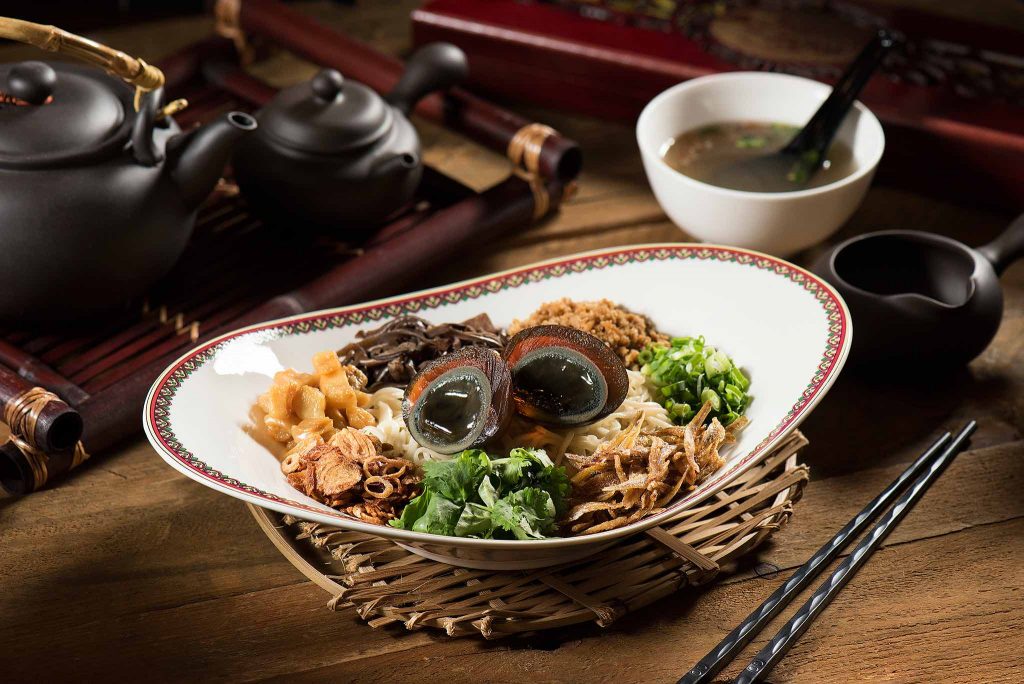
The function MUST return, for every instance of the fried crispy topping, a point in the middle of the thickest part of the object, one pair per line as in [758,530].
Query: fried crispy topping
[301,410]
[353,473]
[622,330]
[638,473]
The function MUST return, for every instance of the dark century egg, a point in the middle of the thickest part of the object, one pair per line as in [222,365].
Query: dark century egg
[459,400]
[564,376]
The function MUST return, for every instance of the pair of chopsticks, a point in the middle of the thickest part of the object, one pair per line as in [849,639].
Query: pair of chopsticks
[922,472]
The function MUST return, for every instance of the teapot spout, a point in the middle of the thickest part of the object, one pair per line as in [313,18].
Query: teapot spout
[196,159]
[399,163]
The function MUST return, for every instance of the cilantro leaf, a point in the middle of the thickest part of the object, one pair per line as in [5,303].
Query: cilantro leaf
[513,469]
[487,493]
[441,517]
[555,481]
[475,521]
[472,495]
[412,512]
[429,512]
[457,479]
[527,513]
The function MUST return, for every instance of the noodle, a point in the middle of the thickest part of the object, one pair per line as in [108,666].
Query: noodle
[386,406]
[585,439]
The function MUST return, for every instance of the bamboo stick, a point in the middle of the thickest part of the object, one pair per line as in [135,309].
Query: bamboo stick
[43,420]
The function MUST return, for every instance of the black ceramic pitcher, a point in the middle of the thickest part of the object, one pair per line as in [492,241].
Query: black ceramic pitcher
[918,298]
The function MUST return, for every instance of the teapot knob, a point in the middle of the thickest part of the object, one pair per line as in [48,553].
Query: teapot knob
[32,81]
[327,84]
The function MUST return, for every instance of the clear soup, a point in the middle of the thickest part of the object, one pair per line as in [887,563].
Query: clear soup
[700,153]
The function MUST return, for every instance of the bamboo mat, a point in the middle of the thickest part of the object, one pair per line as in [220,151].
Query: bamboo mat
[387,585]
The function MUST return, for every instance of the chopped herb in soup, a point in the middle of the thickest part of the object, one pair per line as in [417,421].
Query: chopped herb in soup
[704,152]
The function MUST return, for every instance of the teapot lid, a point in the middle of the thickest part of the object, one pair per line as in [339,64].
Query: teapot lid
[55,111]
[326,115]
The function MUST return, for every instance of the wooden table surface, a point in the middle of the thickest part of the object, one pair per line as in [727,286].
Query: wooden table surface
[129,571]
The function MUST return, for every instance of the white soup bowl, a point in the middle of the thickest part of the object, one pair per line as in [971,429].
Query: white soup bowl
[780,223]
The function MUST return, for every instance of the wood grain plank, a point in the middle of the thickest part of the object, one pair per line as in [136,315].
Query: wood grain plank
[129,567]
[199,592]
[911,615]
[125,535]
[981,487]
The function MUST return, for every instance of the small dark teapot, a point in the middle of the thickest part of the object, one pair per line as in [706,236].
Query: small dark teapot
[98,187]
[332,153]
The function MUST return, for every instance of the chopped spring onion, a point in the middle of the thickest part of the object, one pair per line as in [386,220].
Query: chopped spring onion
[689,372]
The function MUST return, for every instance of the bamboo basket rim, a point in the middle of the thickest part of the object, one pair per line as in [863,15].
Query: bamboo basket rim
[386,584]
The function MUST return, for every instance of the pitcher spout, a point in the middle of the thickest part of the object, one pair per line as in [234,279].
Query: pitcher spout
[196,159]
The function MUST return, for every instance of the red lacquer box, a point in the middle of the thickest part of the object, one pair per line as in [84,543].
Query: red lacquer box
[952,101]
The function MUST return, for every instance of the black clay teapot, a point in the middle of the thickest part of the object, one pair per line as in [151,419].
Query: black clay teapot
[921,301]
[98,186]
[333,154]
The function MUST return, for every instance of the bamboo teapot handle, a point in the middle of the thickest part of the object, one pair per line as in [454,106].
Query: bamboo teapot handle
[134,71]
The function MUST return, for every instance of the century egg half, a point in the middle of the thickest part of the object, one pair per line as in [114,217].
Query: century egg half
[459,400]
[564,376]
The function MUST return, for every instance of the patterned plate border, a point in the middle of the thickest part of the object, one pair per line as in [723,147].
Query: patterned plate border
[156,412]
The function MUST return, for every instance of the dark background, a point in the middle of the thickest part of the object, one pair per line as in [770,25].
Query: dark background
[86,15]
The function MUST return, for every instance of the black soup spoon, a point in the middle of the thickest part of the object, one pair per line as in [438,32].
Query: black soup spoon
[795,164]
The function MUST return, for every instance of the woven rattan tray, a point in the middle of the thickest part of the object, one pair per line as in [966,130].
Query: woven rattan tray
[386,584]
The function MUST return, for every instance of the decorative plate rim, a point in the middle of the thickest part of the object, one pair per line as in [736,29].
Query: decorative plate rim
[156,409]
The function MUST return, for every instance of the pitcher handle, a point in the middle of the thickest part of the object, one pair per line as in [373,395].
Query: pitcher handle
[1006,248]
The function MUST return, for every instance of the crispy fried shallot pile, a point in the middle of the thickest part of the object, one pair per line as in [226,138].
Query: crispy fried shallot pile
[639,472]
[353,473]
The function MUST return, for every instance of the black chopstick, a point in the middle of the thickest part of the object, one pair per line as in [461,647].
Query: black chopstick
[713,663]
[791,632]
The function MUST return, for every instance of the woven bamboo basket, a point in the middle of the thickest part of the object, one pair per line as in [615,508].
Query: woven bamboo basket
[388,585]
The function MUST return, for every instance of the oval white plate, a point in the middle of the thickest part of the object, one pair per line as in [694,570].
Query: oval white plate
[788,329]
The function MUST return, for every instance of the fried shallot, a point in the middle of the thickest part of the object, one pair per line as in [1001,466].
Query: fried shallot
[353,473]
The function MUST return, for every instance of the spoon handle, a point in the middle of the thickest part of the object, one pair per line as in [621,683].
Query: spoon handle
[1006,248]
[813,139]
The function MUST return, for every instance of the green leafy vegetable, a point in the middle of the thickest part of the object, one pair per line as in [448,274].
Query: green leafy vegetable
[513,469]
[804,167]
[413,511]
[472,495]
[458,478]
[688,372]
[475,521]
[525,513]
[439,515]
[555,481]
[751,141]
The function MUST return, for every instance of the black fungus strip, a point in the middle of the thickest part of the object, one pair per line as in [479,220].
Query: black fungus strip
[392,354]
